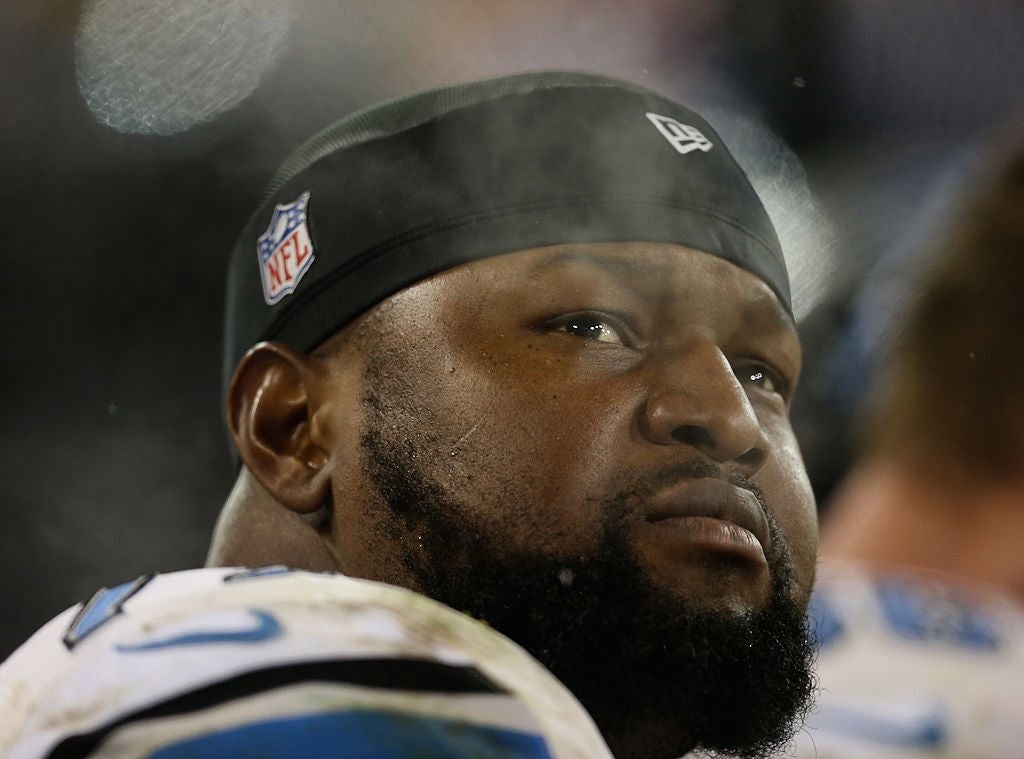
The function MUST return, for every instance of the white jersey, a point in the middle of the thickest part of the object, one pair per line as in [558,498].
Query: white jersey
[273,663]
[912,666]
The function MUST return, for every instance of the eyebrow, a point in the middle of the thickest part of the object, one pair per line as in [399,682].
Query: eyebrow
[640,269]
[780,315]
[632,268]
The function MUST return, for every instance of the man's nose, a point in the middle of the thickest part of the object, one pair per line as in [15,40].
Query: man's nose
[696,399]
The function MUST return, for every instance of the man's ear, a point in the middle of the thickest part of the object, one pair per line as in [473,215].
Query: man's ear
[269,416]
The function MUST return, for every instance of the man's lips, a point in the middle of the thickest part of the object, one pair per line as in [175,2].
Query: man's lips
[701,500]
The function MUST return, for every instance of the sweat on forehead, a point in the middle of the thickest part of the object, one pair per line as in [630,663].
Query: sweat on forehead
[401,191]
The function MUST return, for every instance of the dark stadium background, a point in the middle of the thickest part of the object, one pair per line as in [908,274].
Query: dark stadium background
[113,456]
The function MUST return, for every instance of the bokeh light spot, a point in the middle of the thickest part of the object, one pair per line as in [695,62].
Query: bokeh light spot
[164,66]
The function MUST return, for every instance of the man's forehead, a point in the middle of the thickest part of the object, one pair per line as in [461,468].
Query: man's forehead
[647,267]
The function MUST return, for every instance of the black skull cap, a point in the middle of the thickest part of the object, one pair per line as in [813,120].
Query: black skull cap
[400,191]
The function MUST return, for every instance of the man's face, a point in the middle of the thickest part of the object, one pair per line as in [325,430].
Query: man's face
[601,418]
[540,387]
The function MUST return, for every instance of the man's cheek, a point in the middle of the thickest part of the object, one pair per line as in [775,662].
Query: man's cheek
[791,501]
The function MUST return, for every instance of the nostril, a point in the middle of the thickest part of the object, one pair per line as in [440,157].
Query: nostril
[752,459]
[699,437]
[695,435]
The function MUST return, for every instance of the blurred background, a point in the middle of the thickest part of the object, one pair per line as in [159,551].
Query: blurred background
[136,135]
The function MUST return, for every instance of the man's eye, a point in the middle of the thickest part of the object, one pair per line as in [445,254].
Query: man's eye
[761,376]
[591,326]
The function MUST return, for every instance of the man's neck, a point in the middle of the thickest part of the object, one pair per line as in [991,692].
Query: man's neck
[254,530]
[968,529]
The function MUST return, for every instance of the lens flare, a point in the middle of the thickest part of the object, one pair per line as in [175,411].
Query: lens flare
[164,66]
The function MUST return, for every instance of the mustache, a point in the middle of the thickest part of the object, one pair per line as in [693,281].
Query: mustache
[646,483]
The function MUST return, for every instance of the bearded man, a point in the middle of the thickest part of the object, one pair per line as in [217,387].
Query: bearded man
[525,346]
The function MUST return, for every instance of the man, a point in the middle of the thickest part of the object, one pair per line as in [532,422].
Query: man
[525,346]
[921,606]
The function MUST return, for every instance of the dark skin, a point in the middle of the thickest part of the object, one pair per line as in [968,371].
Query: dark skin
[545,385]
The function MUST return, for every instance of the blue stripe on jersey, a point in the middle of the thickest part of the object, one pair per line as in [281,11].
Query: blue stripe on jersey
[103,606]
[265,627]
[933,613]
[272,570]
[362,734]
[926,731]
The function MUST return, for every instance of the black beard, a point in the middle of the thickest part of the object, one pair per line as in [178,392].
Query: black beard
[640,659]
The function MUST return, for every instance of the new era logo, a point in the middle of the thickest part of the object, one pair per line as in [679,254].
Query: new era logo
[683,137]
[285,250]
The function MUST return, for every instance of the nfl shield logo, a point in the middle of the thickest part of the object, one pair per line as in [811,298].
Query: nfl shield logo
[285,250]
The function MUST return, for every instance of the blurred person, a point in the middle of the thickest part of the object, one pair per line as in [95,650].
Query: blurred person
[524,347]
[919,609]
